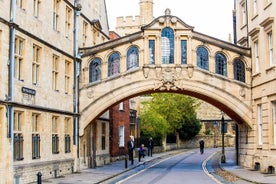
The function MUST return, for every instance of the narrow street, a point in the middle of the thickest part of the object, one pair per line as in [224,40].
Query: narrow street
[186,166]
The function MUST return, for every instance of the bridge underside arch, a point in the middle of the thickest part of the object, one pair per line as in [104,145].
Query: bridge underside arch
[229,96]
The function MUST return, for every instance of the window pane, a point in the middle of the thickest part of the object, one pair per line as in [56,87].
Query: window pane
[95,70]
[132,58]
[113,64]
[167,46]
[151,51]
[221,64]
[183,51]
[202,58]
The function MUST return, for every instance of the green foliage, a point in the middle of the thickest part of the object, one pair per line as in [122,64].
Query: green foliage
[168,113]
[208,131]
[190,128]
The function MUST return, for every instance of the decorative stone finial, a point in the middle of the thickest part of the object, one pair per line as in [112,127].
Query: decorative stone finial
[167,11]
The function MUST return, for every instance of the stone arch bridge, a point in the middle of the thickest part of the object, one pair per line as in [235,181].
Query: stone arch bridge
[167,55]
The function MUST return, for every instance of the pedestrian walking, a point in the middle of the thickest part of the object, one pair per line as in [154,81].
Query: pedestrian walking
[201,146]
[150,148]
[130,146]
[142,151]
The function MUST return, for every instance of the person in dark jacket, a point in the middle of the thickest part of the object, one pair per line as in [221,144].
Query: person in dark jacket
[150,148]
[201,146]
[130,146]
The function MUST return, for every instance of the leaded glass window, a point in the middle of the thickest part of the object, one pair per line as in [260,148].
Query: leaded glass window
[183,51]
[221,64]
[113,64]
[202,58]
[151,51]
[239,70]
[95,70]
[132,57]
[167,46]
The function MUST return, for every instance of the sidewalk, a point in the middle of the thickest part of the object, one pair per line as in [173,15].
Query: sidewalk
[243,173]
[102,174]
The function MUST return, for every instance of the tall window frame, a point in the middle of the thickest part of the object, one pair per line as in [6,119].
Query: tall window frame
[132,57]
[36,8]
[183,52]
[21,4]
[202,58]
[18,136]
[167,45]
[270,48]
[55,72]
[36,64]
[151,51]
[67,133]
[67,76]
[35,136]
[239,70]
[221,64]
[68,21]
[256,56]
[19,58]
[56,4]
[121,136]
[114,64]
[55,135]
[95,70]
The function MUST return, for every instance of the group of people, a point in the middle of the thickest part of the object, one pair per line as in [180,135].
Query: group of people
[142,150]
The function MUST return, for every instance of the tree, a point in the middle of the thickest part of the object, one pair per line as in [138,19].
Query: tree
[170,113]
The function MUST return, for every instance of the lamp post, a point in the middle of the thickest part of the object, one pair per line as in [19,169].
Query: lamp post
[223,159]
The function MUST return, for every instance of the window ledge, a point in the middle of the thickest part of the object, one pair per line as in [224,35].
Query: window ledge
[267,5]
[272,68]
[258,74]
[254,17]
[259,146]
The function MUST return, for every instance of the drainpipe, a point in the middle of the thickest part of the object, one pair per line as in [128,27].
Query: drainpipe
[76,76]
[11,66]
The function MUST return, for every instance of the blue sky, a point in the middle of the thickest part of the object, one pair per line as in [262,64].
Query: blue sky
[212,17]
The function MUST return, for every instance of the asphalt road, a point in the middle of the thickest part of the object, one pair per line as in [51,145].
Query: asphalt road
[181,168]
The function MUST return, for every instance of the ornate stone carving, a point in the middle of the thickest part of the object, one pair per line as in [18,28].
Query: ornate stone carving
[90,92]
[168,79]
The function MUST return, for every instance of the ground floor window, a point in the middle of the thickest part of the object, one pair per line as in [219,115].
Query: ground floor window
[35,146]
[55,144]
[67,143]
[18,146]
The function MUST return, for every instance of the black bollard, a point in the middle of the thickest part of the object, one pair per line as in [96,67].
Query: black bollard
[39,175]
[126,161]
[139,155]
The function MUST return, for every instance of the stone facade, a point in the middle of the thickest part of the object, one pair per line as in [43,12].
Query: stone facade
[256,30]
[38,104]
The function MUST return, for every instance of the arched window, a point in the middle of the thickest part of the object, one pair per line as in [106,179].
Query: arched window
[167,45]
[202,58]
[113,64]
[95,70]
[239,70]
[221,64]
[132,57]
